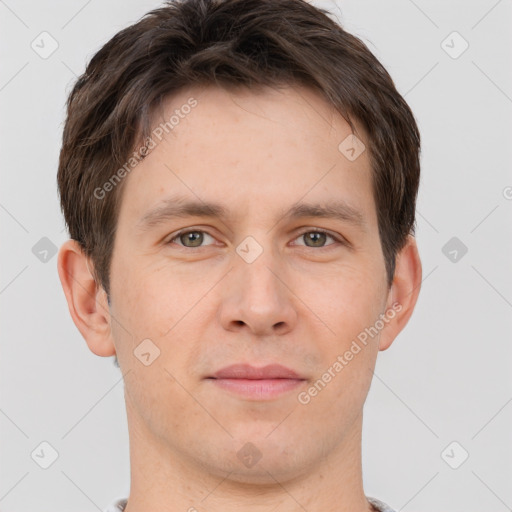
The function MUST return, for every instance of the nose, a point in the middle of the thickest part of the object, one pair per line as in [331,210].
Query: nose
[257,297]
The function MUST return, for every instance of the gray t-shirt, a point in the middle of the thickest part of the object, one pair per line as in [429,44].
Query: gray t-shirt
[120,504]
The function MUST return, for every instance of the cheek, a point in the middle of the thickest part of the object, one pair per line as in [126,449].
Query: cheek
[152,302]
[349,306]
[167,311]
[347,298]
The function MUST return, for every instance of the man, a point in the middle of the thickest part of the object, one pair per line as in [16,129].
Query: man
[239,181]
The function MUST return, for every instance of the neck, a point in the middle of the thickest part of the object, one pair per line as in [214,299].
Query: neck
[163,481]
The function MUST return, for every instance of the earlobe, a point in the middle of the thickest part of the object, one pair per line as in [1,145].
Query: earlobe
[404,292]
[87,301]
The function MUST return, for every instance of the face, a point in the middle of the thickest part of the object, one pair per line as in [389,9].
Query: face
[223,256]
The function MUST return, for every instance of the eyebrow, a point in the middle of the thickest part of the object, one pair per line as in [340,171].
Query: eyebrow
[178,207]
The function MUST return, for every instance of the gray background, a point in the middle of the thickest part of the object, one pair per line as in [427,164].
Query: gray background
[445,379]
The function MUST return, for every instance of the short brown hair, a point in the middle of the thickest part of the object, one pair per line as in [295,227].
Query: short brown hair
[227,43]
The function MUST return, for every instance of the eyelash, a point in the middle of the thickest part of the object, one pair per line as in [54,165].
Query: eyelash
[318,230]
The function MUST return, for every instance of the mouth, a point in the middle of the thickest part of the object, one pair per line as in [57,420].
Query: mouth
[254,383]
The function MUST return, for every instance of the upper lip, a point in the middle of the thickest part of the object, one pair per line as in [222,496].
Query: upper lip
[246,371]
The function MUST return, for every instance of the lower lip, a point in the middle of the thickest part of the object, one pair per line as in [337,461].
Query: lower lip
[258,389]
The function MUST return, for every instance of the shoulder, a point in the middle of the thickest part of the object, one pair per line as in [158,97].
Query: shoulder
[117,506]
[379,505]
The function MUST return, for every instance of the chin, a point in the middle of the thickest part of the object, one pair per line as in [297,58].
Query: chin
[260,460]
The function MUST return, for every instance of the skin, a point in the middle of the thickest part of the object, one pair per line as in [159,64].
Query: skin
[298,303]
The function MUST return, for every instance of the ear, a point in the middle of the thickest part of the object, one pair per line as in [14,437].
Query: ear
[403,293]
[87,301]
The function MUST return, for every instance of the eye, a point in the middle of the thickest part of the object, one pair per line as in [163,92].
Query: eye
[317,238]
[193,237]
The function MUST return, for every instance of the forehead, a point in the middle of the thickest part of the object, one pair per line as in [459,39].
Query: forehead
[249,148]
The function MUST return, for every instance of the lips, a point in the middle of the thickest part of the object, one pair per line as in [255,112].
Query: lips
[257,384]
[246,371]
